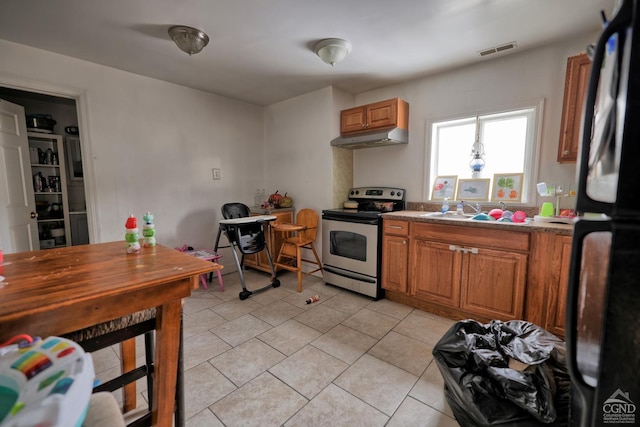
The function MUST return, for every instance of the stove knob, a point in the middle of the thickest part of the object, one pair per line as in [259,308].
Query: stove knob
[352,192]
[399,193]
[357,192]
[393,193]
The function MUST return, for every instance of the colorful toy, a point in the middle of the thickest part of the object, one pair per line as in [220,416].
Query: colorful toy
[45,382]
[131,235]
[148,230]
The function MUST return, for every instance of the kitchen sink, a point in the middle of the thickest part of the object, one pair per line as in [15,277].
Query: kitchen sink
[448,214]
[452,215]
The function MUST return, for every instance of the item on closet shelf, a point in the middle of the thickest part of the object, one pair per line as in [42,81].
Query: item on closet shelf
[131,235]
[72,130]
[39,182]
[40,123]
[148,230]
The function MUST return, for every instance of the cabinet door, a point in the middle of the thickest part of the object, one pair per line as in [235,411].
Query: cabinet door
[382,114]
[353,119]
[557,290]
[435,272]
[575,85]
[493,283]
[395,262]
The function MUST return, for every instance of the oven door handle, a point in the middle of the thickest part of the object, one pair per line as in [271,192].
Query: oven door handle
[349,275]
[372,221]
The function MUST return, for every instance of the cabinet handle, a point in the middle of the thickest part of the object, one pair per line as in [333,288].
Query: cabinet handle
[470,250]
[404,242]
[397,227]
[453,247]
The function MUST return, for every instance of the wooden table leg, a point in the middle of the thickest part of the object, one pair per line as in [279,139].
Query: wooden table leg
[166,363]
[128,363]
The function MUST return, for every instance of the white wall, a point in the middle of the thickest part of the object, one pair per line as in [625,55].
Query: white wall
[298,156]
[511,80]
[151,144]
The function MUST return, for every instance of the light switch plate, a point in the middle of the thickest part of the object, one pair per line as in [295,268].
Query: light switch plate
[216,173]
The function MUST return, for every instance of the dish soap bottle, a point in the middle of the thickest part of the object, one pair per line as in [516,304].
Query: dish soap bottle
[459,208]
[445,205]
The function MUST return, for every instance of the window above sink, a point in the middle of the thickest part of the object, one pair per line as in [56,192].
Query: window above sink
[507,141]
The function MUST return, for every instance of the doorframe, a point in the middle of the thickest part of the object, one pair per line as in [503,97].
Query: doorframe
[80,97]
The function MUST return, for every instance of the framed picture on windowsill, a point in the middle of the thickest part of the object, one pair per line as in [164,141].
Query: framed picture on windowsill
[444,187]
[473,189]
[507,187]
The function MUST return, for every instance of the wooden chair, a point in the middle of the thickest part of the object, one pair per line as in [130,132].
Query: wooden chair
[297,236]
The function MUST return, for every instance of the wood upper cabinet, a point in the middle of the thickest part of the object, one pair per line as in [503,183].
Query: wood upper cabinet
[480,271]
[577,78]
[395,255]
[380,115]
[259,261]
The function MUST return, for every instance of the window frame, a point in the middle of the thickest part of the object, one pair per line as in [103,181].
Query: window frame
[532,151]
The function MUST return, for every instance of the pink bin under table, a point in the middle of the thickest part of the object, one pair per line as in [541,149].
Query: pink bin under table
[207,255]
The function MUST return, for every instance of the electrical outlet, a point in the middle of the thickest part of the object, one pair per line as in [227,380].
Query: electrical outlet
[216,173]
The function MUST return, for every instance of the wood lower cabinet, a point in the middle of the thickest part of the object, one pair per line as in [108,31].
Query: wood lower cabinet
[481,273]
[493,283]
[557,286]
[435,272]
[478,272]
[395,255]
[260,261]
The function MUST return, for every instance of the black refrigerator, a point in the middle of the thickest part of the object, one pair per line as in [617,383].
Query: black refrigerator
[603,298]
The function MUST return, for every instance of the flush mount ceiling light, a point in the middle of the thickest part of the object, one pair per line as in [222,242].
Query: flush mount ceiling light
[190,40]
[332,51]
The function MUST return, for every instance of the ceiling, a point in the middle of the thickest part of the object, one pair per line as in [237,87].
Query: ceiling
[261,51]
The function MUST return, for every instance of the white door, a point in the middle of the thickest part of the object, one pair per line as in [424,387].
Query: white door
[18,223]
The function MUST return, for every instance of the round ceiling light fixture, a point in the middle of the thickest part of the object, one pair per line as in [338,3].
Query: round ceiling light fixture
[332,51]
[189,40]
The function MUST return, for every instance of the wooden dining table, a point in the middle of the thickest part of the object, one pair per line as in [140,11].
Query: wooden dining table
[56,291]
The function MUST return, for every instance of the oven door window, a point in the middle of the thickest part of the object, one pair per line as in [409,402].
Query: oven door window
[348,244]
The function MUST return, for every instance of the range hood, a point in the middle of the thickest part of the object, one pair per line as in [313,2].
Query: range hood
[373,139]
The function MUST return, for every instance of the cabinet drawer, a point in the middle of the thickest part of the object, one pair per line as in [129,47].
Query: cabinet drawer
[473,236]
[395,227]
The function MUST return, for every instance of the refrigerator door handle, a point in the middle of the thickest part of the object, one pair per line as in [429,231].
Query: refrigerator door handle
[581,230]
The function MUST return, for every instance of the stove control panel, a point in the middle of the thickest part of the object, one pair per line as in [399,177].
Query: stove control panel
[377,193]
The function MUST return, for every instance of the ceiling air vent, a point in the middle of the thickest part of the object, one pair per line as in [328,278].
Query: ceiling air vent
[497,49]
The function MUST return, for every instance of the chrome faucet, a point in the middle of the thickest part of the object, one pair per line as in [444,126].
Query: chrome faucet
[476,206]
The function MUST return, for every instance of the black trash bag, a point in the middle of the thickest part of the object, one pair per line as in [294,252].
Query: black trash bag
[481,387]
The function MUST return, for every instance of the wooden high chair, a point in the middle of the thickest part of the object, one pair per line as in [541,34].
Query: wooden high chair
[297,236]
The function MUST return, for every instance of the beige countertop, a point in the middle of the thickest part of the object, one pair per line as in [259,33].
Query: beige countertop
[529,226]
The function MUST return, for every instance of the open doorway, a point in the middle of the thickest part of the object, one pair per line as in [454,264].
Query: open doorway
[64,112]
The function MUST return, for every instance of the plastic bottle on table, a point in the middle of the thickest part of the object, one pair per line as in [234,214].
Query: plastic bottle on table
[148,230]
[131,235]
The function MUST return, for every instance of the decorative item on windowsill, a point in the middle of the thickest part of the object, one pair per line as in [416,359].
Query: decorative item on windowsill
[477,154]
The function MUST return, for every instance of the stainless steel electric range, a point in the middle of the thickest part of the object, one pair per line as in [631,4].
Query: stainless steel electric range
[352,239]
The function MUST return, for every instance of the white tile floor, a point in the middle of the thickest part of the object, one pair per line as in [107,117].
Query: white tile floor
[272,360]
